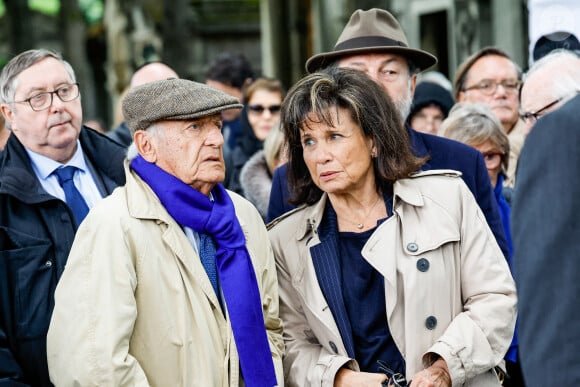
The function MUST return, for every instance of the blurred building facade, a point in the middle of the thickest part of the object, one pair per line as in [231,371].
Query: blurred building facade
[277,36]
[450,29]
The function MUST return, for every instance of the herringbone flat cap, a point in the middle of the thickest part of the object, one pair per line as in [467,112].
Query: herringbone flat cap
[173,99]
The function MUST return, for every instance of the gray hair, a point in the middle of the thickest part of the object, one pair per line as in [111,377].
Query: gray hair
[22,62]
[154,129]
[566,81]
[474,124]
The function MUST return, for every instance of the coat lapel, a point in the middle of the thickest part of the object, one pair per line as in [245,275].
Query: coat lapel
[147,206]
[177,241]
[325,261]
[380,251]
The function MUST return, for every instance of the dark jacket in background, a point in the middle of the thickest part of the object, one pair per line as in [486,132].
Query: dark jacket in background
[445,154]
[546,237]
[121,134]
[36,234]
[246,146]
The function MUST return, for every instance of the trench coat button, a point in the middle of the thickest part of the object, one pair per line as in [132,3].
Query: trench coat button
[48,263]
[333,347]
[431,322]
[412,247]
[423,264]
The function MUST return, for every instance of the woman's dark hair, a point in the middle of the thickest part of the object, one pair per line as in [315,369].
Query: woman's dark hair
[316,95]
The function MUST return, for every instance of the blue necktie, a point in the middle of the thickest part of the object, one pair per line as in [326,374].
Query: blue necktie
[207,254]
[74,199]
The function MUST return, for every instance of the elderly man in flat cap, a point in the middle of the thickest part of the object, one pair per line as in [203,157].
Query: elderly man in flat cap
[374,42]
[171,281]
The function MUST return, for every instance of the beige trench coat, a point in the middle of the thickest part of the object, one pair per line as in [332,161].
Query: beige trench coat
[135,307]
[467,287]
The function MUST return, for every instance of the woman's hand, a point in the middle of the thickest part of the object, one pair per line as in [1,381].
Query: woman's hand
[436,375]
[349,378]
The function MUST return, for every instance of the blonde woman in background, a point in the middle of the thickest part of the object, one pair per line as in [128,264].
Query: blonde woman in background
[256,175]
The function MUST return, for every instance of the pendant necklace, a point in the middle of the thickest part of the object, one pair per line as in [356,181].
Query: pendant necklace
[361,225]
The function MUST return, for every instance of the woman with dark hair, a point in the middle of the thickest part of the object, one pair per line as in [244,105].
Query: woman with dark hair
[385,274]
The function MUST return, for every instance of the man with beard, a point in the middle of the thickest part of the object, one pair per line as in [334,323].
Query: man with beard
[374,43]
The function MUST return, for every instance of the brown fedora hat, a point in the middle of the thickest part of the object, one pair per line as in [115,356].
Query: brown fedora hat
[375,30]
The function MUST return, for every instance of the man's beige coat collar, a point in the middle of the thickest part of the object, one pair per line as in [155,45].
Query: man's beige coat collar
[144,204]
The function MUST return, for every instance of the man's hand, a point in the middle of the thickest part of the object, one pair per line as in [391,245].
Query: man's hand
[349,378]
[436,375]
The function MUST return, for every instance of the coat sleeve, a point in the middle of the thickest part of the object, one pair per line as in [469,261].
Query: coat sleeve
[306,361]
[479,336]
[95,311]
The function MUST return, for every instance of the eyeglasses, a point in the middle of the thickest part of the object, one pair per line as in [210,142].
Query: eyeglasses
[492,159]
[395,379]
[489,87]
[43,101]
[259,109]
[532,117]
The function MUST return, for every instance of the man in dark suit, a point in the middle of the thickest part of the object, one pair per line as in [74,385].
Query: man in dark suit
[546,230]
[52,171]
[374,42]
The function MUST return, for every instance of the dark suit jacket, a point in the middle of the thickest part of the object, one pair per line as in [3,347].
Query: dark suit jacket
[445,154]
[36,234]
[546,237]
[121,134]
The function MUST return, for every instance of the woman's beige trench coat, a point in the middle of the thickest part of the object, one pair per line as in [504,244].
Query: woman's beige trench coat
[448,288]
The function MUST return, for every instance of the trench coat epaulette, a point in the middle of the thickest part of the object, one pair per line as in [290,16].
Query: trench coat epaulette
[435,172]
[274,222]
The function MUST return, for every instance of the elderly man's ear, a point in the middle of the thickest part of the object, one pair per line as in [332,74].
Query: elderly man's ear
[144,142]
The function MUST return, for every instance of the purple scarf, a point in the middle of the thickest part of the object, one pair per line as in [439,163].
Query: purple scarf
[191,208]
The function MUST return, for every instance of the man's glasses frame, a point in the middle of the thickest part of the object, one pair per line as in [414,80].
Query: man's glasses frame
[489,86]
[532,117]
[492,159]
[42,101]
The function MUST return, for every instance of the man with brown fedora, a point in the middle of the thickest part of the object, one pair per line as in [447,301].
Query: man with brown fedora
[171,281]
[374,42]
